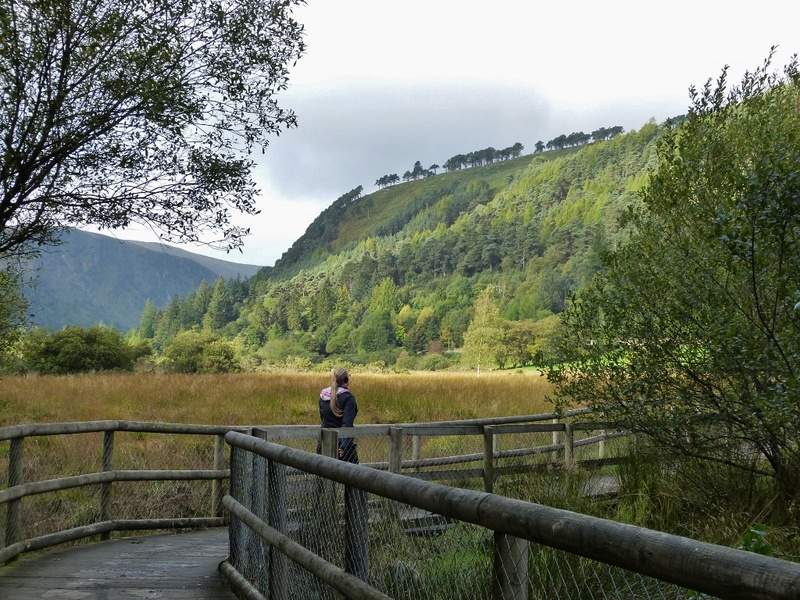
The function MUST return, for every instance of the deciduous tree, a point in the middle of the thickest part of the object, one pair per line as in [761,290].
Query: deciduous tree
[115,112]
[691,336]
[485,333]
[13,306]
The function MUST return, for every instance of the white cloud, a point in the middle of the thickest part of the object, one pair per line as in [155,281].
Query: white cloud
[384,84]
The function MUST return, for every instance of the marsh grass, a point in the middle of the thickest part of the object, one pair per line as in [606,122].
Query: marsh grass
[230,399]
[265,398]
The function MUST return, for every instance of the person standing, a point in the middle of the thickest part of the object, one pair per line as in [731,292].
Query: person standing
[338,408]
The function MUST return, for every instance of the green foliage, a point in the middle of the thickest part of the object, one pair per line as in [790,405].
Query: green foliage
[149,118]
[220,309]
[517,348]
[376,332]
[484,337]
[199,352]
[12,310]
[691,336]
[79,350]
[755,540]
[408,276]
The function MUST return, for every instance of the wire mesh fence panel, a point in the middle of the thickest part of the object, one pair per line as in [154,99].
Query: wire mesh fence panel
[406,552]
[304,508]
[5,446]
[557,575]
[416,554]
[160,499]
[52,457]
[43,514]
[139,450]
[400,550]
[307,444]
[78,455]
[454,459]
[373,450]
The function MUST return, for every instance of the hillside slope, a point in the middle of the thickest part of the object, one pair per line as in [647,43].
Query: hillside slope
[392,277]
[91,278]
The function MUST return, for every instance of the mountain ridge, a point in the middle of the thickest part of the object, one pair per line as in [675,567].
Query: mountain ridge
[91,278]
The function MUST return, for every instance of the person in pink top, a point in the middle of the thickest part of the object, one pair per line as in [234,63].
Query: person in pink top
[338,408]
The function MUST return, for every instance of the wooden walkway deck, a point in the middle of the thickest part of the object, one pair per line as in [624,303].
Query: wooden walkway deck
[179,566]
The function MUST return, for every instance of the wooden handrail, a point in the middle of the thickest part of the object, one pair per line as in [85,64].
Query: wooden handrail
[17,489]
[724,572]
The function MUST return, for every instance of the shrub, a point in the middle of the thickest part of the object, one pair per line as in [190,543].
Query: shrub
[79,350]
[199,352]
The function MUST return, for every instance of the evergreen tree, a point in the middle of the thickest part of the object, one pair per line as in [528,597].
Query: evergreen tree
[149,321]
[220,307]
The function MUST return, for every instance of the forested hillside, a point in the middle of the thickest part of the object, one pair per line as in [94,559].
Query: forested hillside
[392,277]
[91,278]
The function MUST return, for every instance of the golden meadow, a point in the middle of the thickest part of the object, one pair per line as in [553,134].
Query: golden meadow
[267,398]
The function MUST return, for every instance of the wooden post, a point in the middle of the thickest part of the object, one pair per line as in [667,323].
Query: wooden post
[416,448]
[237,531]
[510,580]
[216,484]
[330,447]
[601,446]
[395,466]
[488,458]
[105,489]
[324,522]
[557,441]
[258,481]
[569,447]
[330,443]
[15,452]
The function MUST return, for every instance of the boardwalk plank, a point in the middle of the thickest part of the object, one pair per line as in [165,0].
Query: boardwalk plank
[179,566]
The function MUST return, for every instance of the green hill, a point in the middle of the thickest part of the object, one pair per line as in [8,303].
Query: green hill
[91,278]
[393,275]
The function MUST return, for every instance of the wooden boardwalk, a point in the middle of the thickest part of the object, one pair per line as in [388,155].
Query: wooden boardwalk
[179,566]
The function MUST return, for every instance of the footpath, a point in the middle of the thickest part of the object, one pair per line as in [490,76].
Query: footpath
[180,566]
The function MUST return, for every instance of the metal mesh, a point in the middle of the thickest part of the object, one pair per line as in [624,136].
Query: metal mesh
[455,460]
[403,551]
[51,457]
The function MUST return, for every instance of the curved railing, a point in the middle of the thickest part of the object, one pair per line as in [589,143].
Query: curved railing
[74,446]
[343,528]
[69,481]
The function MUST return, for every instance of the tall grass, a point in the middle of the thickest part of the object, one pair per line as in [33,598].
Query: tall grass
[230,399]
[265,398]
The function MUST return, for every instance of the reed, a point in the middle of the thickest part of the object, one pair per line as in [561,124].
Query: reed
[266,398]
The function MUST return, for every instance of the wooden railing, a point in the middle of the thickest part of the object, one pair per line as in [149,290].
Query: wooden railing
[22,463]
[295,521]
[18,489]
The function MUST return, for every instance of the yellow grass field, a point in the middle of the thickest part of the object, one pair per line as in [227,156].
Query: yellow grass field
[266,398]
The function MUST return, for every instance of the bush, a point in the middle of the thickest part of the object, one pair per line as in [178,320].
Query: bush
[199,352]
[79,350]
[433,362]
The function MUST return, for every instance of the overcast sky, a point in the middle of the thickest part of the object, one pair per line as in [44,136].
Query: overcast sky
[385,83]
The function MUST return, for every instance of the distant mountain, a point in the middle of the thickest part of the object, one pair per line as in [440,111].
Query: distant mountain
[91,278]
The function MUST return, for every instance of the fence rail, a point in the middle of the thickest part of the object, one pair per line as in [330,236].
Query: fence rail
[101,521]
[285,504]
[81,503]
[398,530]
